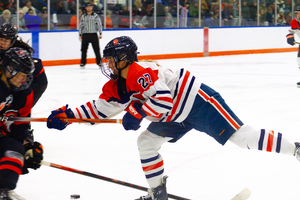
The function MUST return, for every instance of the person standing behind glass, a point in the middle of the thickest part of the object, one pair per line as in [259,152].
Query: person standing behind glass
[90,24]
[22,24]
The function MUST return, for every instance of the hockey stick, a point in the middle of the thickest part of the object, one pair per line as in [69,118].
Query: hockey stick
[104,178]
[30,119]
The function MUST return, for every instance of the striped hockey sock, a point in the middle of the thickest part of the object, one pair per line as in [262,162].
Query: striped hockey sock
[153,168]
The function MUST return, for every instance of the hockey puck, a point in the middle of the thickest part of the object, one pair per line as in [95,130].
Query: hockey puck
[75,196]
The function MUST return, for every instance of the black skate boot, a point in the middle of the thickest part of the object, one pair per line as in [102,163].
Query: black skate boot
[298,84]
[6,194]
[157,193]
[297,150]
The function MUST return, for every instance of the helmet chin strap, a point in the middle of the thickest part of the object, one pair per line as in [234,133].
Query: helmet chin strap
[114,76]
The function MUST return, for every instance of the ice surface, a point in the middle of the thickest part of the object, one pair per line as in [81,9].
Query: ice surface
[260,89]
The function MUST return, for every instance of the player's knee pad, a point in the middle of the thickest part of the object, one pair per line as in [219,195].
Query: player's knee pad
[149,143]
[246,137]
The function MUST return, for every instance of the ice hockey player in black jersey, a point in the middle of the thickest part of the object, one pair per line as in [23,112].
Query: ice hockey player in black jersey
[9,38]
[16,99]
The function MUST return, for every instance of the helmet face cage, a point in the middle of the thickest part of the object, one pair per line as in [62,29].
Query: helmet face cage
[18,60]
[121,49]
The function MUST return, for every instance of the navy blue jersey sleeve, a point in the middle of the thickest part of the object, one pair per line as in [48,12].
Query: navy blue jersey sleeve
[40,81]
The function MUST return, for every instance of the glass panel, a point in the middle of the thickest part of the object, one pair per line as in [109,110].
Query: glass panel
[283,7]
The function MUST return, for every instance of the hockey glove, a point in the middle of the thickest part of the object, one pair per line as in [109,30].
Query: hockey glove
[290,39]
[133,117]
[54,120]
[33,156]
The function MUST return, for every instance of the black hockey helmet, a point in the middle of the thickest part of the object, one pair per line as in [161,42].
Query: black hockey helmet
[121,49]
[9,31]
[17,60]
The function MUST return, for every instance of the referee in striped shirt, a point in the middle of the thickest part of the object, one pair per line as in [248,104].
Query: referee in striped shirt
[90,24]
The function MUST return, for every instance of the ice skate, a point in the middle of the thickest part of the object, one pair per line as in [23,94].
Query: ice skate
[298,84]
[157,193]
[6,194]
[82,66]
[297,150]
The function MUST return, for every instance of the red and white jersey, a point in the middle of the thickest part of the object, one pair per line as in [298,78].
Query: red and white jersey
[165,96]
[294,24]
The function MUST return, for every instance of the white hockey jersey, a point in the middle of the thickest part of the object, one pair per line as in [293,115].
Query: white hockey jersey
[166,96]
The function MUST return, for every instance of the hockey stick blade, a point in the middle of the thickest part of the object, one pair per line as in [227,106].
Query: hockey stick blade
[70,120]
[243,195]
[104,178]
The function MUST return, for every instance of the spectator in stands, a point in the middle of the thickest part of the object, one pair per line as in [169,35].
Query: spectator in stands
[28,6]
[73,20]
[208,21]
[109,23]
[270,16]
[22,24]
[253,13]
[263,6]
[226,14]
[245,13]
[262,18]
[281,18]
[32,21]
[5,17]
[44,19]
[288,18]
[96,9]
[194,9]
[13,8]
[169,22]
[204,11]
[60,8]
[233,4]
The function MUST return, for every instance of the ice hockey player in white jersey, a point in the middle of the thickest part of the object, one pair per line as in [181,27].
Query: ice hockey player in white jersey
[175,102]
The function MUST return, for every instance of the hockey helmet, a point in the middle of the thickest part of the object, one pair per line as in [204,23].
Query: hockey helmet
[17,60]
[8,31]
[121,49]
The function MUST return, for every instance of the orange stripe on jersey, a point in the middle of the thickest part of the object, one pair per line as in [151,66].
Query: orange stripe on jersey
[15,160]
[270,141]
[92,111]
[154,166]
[80,116]
[149,108]
[185,79]
[11,167]
[219,108]
[43,69]
[167,99]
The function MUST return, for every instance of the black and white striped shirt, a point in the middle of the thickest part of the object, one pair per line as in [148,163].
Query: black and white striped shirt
[90,24]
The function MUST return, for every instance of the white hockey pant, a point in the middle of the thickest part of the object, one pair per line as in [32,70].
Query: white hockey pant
[264,140]
[152,162]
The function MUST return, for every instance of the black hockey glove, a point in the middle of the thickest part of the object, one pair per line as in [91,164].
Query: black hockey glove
[290,39]
[33,156]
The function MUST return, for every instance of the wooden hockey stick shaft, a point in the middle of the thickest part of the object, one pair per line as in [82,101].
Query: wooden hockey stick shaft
[70,120]
[104,178]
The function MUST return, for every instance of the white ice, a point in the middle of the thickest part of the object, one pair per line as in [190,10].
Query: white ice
[260,88]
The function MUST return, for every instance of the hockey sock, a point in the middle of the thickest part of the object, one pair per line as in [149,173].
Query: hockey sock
[151,160]
[263,140]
